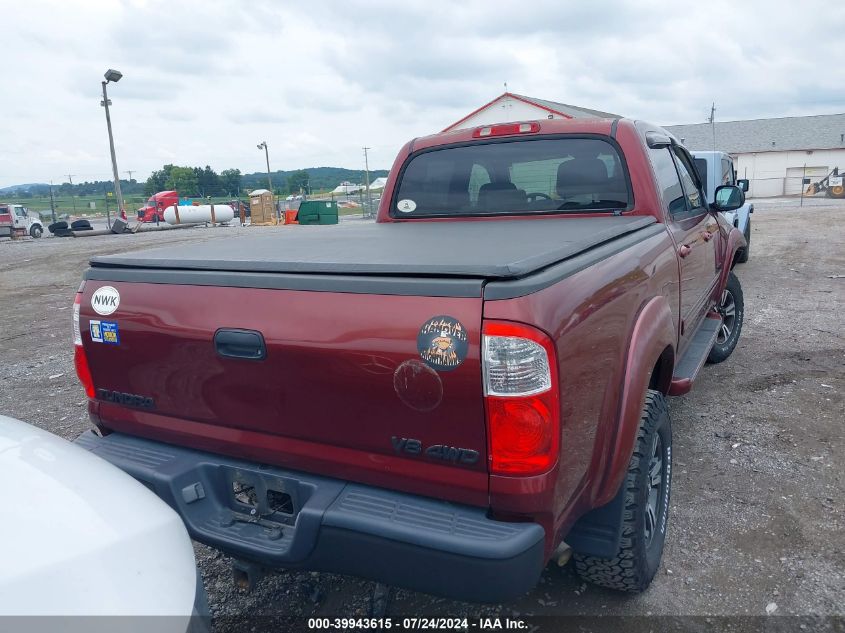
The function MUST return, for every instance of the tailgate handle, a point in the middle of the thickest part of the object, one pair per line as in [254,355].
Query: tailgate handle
[247,344]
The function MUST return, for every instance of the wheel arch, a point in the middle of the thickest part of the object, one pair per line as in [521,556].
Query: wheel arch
[649,363]
[736,242]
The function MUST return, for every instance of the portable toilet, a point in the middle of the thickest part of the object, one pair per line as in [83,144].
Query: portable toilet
[262,207]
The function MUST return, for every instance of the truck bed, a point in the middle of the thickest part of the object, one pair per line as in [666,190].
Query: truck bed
[498,249]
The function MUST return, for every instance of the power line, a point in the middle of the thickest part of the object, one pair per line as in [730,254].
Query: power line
[712,122]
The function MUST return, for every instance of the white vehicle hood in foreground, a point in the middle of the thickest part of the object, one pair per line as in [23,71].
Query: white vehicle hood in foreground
[80,537]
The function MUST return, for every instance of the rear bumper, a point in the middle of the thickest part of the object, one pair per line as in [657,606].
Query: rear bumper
[290,519]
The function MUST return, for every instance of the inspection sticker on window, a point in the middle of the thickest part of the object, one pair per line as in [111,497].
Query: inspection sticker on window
[105,332]
[406,206]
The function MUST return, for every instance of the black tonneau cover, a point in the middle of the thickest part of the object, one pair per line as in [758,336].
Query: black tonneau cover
[487,248]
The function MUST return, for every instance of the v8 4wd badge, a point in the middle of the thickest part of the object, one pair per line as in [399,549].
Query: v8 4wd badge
[412,447]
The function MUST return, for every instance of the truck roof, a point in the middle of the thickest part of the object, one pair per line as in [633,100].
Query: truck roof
[547,126]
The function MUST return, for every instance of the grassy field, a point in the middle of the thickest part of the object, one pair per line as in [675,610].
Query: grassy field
[78,207]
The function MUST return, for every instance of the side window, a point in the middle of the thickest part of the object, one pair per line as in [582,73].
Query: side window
[701,166]
[667,180]
[727,172]
[691,190]
[477,177]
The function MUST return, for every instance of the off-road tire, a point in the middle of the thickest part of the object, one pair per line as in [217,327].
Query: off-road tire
[36,231]
[638,558]
[745,253]
[723,348]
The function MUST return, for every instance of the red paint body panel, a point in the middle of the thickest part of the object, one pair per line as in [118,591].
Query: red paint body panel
[327,386]
[591,316]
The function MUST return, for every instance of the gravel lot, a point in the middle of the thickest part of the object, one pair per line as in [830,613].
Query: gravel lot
[757,511]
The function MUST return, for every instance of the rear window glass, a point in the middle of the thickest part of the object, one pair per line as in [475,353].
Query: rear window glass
[533,176]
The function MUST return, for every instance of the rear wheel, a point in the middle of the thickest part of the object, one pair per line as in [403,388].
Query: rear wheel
[732,309]
[647,488]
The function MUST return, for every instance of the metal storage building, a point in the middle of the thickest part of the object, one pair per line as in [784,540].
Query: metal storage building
[774,154]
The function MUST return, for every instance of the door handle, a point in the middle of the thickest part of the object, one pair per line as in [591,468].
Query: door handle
[245,344]
[684,250]
[707,235]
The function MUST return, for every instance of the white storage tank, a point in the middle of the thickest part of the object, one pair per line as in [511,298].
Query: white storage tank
[214,213]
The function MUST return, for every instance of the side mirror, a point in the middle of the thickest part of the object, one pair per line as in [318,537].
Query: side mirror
[728,198]
[742,183]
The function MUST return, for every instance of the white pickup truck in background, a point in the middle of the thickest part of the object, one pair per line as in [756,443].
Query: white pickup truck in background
[717,169]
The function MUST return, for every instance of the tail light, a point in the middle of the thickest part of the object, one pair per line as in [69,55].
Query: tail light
[506,129]
[80,361]
[521,394]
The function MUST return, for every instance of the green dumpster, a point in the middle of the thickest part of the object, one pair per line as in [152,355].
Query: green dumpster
[317,212]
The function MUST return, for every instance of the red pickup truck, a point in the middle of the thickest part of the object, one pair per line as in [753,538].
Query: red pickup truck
[439,399]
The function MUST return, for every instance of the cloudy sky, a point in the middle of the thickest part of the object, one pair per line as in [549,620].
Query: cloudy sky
[205,81]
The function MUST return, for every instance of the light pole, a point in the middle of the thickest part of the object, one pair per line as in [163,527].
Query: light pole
[367,172]
[115,76]
[263,145]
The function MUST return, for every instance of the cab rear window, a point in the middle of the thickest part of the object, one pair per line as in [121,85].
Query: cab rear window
[514,177]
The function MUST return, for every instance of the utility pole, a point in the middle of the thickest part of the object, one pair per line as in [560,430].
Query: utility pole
[712,121]
[72,199]
[52,202]
[129,171]
[367,177]
[106,196]
[112,75]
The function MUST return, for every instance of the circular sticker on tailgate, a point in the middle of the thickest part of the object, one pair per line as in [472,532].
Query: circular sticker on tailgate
[442,343]
[105,300]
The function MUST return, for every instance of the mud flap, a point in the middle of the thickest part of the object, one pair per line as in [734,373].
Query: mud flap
[598,532]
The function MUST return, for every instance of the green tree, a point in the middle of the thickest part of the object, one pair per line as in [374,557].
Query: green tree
[208,182]
[230,180]
[157,180]
[183,180]
[297,181]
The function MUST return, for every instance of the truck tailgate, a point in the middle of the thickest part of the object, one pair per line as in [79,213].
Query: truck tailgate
[340,388]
